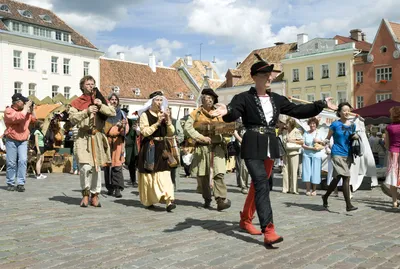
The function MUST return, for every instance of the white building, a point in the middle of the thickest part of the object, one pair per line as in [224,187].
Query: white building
[40,55]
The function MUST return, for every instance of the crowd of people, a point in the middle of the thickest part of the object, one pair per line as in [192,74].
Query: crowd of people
[152,145]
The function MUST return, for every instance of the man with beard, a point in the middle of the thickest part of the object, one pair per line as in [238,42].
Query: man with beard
[89,113]
[17,119]
[116,128]
[209,153]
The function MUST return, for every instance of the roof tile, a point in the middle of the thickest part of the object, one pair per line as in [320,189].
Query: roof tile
[361,45]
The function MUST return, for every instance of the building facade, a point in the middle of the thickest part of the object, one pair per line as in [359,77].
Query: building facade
[320,68]
[40,55]
[375,78]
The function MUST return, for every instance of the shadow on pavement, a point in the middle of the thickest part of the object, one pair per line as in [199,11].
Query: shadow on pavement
[386,209]
[66,200]
[4,188]
[373,202]
[228,228]
[312,207]
[129,202]
[180,202]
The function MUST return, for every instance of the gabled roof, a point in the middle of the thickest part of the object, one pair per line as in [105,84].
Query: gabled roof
[129,76]
[272,55]
[395,30]
[198,70]
[56,23]
[361,45]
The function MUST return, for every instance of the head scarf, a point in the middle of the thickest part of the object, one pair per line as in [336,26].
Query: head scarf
[148,104]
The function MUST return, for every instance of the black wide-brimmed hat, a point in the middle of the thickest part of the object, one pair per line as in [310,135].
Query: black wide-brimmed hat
[19,97]
[261,66]
[210,92]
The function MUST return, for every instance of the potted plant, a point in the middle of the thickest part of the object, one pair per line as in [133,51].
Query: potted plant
[383,81]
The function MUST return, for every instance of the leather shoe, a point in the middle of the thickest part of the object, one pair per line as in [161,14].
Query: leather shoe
[118,193]
[324,201]
[110,192]
[351,208]
[171,207]
[207,204]
[223,203]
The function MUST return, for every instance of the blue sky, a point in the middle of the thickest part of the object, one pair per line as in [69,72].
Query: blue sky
[227,29]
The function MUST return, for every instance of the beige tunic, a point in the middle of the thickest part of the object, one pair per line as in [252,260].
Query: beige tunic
[201,157]
[83,143]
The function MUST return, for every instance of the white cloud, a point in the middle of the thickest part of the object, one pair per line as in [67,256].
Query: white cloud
[162,48]
[47,4]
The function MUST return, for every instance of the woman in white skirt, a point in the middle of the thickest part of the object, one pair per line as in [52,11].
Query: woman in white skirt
[392,143]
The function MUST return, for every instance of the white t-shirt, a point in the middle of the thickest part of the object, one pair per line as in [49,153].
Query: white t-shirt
[267,107]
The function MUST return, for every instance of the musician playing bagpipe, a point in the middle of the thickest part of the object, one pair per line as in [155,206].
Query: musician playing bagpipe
[260,109]
[115,129]
[208,163]
[89,113]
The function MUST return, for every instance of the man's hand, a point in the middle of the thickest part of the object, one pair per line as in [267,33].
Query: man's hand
[330,104]
[97,102]
[219,111]
[93,109]
[207,140]
[167,116]
[161,117]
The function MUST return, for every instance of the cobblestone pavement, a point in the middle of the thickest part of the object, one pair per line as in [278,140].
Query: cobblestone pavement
[45,228]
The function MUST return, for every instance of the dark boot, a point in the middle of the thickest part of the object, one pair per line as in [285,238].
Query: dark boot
[207,203]
[346,194]
[270,236]
[247,215]
[118,193]
[95,200]
[171,207]
[110,192]
[223,203]
[85,199]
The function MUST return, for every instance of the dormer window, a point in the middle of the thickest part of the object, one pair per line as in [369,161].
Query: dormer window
[115,89]
[4,8]
[191,96]
[136,91]
[25,13]
[180,95]
[46,18]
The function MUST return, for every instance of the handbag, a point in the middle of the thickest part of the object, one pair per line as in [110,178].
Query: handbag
[292,146]
[149,156]
[167,154]
[282,150]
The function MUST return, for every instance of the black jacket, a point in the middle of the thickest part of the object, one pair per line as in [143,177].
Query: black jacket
[248,106]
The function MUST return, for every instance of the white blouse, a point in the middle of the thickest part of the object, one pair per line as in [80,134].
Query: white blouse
[267,107]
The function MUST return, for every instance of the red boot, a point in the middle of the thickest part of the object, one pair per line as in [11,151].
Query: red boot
[246,224]
[270,236]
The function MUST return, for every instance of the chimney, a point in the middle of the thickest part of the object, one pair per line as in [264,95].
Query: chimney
[356,34]
[121,55]
[160,63]
[279,43]
[214,60]
[363,37]
[152,62]
[301,39]
[188,60]
[209,72]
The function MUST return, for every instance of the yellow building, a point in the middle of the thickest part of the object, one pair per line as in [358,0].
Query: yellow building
[320,68]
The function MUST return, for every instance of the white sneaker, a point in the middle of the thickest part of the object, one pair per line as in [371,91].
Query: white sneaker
[41,176]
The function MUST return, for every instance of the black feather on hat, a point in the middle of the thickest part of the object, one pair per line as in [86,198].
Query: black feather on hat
[210,92]
[261,66]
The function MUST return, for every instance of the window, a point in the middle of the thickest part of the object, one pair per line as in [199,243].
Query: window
[67,91]
[58,35]
[295,75]
[341,96]
[54,91]
[31,61]
[310,97]
[325,71]
[36,31]
[17,87]
[359,77]
[137,91]
[46,18]
[296,96]
[32,89]
[26,13]
[42,32]
[15,26]
[341,69]
[383,49]
[86,68]
[324,95]
[4,8]
[316,46]
[48,33]
[383,74]
[66,66]
[383,97]
[25,29]
[191,96]
[54,64]
[185,112]
[360,101]
[310,73]
[17,59]
[65,37]
[115,89]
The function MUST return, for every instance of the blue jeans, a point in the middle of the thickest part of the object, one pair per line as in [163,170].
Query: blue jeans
[16,161]
[74,164]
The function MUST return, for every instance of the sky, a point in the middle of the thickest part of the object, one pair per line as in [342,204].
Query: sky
[222,30]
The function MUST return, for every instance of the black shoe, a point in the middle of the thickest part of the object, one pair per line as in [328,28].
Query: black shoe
[171,207]
[135,185]
[150,207]
[324,201]
[20,188]
[110,192]
[118,193]
[207,204]
[351,208]
[223,204]
[11,188]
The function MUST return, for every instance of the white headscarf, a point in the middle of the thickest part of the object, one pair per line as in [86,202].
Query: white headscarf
[148,104]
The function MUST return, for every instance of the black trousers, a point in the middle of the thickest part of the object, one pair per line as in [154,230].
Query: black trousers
[114,178]
[262,188]
[132,169]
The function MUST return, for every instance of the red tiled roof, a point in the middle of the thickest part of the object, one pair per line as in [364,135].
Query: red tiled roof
[396,29]
[56,22]
[129,76]
[361,45]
